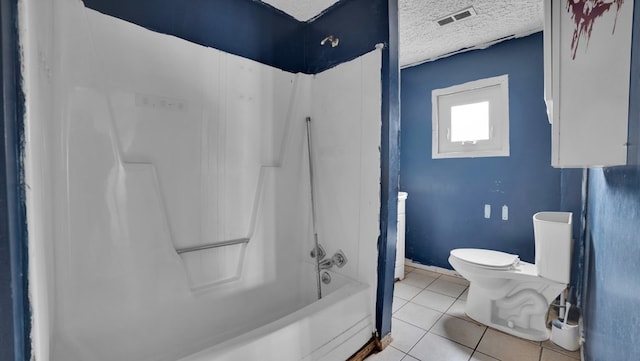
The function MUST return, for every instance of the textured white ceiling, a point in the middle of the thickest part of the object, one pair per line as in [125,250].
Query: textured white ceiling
[422,39]
[302,10]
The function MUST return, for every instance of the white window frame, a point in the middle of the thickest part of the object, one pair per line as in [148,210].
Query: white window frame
[496,91]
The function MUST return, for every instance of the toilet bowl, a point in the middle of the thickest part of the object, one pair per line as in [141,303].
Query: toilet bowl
[511,295]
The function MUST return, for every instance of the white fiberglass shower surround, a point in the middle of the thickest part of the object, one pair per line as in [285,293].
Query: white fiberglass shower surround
[168,196]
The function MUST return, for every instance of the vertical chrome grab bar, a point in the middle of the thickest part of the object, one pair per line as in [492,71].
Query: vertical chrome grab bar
[313,209]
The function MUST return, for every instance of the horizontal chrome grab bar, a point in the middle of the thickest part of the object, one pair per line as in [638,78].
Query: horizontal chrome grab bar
[212,245]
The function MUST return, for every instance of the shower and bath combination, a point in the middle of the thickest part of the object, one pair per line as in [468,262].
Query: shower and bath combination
[188,231]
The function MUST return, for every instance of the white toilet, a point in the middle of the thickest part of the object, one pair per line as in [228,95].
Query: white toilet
[514,296]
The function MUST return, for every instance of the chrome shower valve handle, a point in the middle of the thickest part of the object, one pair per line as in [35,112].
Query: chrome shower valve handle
[339,259]
[321,252]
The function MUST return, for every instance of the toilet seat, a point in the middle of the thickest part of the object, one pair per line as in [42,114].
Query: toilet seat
[485,258]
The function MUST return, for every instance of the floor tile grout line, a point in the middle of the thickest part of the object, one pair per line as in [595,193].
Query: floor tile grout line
[439,275]
[454,341]
[560,351]
[430,331]
[540,353]
[440,293]
[397,349]
[412,324]
[426,288]
[442,314]
[426,331]
[432,309]
[420,339]
[480,340]
[417,342]
[434,291]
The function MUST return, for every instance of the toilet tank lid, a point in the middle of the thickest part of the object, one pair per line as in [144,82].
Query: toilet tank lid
[485,257]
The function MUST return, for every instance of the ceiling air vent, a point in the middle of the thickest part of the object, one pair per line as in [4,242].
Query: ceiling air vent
[445,21]
[457,16]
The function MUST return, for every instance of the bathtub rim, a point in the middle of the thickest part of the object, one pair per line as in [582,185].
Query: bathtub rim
[351,288]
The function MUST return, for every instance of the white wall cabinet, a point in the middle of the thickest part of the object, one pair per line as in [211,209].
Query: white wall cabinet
[587,50]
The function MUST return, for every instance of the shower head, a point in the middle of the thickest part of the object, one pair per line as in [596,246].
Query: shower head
[334,41]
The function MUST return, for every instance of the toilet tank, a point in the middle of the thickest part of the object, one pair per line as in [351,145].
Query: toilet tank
[554,245]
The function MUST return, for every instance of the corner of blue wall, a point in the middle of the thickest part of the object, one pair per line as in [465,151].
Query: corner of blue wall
[359,24]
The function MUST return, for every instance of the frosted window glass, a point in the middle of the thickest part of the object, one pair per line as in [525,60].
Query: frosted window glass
[470,122]
[471,119]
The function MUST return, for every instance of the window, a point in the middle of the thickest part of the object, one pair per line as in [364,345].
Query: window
[471,119]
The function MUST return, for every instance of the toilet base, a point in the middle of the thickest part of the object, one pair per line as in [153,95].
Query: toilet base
[521,312]
[533,335]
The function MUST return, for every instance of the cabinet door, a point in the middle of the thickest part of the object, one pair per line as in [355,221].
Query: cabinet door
[587,62]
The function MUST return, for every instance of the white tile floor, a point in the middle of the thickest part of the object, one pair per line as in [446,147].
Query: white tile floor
[429,323]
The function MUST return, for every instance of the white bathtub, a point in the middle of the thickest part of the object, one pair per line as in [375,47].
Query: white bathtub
[332,328]
[280,322]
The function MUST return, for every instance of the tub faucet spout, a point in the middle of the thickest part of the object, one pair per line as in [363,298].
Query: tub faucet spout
[326,263]
[338,259]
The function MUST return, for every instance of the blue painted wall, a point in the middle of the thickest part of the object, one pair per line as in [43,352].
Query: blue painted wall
[445,208]
[612,304]
[389,173]
[14,311]
[257,31]
[247,28]
[611,310]
[359,24]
